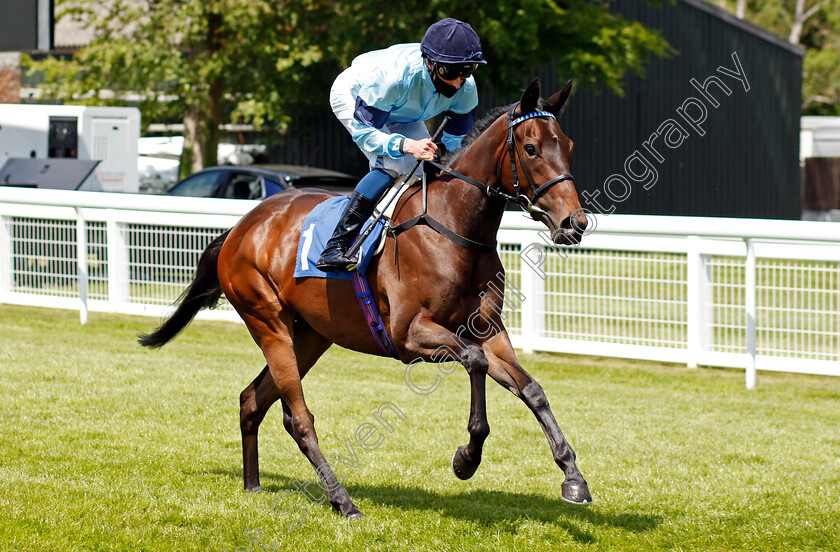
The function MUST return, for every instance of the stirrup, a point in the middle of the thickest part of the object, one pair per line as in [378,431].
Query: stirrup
[354,264]
[342,263]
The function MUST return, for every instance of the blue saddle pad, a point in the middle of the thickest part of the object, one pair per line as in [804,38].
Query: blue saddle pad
[318,228]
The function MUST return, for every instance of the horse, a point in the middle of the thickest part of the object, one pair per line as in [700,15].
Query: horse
[428,290]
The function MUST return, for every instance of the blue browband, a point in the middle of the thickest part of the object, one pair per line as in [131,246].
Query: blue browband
[531,115]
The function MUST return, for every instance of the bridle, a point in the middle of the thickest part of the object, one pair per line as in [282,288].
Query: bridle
[512,151]
[524,202]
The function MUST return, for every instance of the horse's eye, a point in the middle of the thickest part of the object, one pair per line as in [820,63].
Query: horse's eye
[530,149]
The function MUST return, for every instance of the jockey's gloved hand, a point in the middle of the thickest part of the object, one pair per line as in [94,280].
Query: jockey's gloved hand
[441,151]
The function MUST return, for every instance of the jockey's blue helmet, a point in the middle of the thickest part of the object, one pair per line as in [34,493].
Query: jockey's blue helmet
[451,41]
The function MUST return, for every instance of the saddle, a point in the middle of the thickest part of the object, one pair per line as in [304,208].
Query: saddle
[321,221]
[318,227]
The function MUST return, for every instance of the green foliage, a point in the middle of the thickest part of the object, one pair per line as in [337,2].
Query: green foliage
[821,39]
[582,39]
[821,88]
[267,61]
[166,55]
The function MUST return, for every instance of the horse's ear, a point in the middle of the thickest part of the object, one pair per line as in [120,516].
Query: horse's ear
[528,102]
[557,101]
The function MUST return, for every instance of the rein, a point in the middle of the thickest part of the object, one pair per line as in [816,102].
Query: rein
[523,201]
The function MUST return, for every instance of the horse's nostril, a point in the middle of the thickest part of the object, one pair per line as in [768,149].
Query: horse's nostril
[580,222]
[570,224]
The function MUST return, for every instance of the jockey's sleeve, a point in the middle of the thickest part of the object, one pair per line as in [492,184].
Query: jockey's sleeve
[373,105]
[379,96]
[459,125]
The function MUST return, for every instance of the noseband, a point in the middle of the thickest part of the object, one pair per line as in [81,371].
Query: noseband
[513,152]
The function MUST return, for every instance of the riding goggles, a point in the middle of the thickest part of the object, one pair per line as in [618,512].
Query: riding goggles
[452,71]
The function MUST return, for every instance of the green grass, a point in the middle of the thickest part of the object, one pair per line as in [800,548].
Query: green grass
[107,446]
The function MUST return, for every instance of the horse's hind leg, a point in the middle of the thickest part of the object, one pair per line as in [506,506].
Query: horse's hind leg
[275,340]
[505,369]
[257,398]
[254,402]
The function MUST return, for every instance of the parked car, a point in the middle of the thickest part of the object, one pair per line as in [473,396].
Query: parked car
[260,181]
[160,156]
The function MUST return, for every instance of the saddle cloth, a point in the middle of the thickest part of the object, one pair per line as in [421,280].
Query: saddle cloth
[318,228]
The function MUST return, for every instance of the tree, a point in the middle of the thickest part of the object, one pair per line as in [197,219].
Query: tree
[264,60]
[801,15]
[815,25]
[581,38]
[192,59]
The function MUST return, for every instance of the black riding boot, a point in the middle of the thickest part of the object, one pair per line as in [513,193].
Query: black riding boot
[355,214]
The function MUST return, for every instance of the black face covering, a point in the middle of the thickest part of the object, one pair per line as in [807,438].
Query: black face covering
[447,90]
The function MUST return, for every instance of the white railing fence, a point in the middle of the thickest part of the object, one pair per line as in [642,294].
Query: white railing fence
[126,253]
[753,294]
[756,294]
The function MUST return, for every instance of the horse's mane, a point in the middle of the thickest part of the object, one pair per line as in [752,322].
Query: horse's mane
[480,126]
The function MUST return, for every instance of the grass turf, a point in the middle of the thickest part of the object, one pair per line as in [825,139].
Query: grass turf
[107,446]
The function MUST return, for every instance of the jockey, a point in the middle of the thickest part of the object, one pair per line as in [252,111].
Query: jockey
[383,98]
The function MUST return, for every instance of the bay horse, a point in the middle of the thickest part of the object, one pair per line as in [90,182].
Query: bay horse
[427,289]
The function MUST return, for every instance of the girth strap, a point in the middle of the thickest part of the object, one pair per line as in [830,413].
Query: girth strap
[372,317]
[438,227]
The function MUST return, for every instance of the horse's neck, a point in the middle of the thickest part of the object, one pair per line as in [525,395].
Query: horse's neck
[470,211]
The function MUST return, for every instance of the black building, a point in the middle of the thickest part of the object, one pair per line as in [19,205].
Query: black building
[710,131]
[742,160]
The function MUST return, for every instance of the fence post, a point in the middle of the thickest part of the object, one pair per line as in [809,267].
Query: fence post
[695,311]
[6,258]
[118,273]
[532,286]
[81,257]
[750,278]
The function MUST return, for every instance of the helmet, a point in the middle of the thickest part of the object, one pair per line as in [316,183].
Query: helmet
[451,41]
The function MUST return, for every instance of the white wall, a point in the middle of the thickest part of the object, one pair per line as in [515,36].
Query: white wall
[109,134]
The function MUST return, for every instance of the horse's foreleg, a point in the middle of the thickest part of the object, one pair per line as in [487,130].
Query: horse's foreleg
[505,369]
[432,342]
[466,459]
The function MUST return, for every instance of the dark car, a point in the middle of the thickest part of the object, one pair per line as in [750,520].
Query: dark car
[260,181]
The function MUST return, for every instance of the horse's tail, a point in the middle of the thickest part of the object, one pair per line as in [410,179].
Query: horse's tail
[204,292]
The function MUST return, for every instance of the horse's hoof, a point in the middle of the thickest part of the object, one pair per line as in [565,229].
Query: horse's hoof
[463,469]
[576,493]
[254,489]
[354,514]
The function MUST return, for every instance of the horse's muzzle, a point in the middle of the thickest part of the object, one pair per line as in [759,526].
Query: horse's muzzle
[569,232]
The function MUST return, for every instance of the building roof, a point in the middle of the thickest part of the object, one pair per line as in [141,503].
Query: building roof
[745,25]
